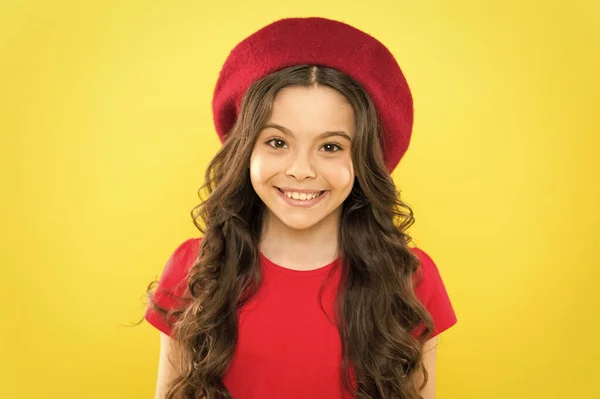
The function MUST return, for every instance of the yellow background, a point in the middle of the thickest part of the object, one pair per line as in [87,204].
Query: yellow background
[106,130]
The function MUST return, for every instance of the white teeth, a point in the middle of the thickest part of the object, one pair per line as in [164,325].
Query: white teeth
[301,196]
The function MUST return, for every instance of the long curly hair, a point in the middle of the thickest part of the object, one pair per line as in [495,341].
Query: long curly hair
[379,312]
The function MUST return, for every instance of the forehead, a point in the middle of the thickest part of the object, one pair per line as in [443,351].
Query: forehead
[312,110]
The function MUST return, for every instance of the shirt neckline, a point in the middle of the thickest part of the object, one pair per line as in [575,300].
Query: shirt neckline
[299,273]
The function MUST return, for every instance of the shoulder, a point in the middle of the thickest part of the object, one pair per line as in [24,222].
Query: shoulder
[427,274]
[173,279]
[181,260]
[432,293]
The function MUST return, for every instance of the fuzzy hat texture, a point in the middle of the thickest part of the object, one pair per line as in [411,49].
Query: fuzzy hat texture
[324,42]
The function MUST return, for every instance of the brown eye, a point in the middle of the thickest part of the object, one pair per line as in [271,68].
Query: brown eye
[276,143]
[330,147]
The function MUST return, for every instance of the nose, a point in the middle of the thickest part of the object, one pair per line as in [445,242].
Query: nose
[300,167]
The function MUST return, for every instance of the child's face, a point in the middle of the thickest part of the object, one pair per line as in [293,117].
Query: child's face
[302,160]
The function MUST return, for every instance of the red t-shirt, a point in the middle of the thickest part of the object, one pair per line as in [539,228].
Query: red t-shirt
[287,346]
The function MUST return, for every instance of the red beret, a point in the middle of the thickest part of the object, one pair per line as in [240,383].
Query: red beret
[325,42]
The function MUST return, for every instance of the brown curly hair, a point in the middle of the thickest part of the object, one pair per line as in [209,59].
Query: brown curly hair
[376,300]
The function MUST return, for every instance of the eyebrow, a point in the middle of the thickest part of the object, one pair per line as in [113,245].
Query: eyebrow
[323,135]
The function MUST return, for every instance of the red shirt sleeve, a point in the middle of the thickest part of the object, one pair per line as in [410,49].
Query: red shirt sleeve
[173,281]
[432,293]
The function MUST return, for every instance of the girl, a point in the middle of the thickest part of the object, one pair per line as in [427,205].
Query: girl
[304,284]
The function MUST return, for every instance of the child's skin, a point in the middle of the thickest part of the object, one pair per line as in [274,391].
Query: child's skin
[296,153]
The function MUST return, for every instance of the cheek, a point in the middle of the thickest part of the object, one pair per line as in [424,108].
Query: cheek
[342,176]
[260,168]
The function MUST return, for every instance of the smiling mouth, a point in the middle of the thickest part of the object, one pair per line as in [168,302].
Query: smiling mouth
[289,195]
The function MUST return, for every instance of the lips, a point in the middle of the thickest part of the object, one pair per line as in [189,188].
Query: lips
[298,194]
[301,202]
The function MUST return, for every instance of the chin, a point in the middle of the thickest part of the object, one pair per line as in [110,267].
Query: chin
[302,222]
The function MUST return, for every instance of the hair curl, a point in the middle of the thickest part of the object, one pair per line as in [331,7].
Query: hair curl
[376,300]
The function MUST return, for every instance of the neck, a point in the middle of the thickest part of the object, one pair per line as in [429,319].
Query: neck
[307,249]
